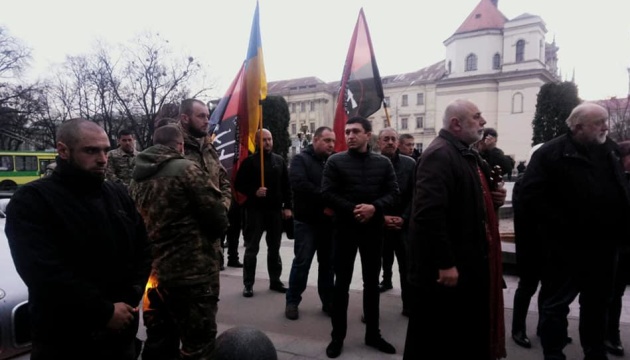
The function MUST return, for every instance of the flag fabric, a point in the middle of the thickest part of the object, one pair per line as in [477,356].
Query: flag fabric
[239,113]
[361,90]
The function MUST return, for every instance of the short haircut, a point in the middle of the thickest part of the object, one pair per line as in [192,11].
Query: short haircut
[403,137]
[387,129]
[69,131]
[624,148]
[124,132]
[489,131]
[186,107]
[320,130]
[367,125]
[164,121]
[167,135]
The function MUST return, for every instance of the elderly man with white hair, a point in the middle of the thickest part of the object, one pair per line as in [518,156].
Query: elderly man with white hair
[574,189]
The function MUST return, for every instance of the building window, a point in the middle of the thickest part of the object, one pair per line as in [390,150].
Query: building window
[405,102]
[420,99]
[520,51]
[449,66]
[387,101]
[404,123]
[419,147]
[293,129]
[302,107]
[471,62]
[419,122]
[496,61]
[385,123]
[517,103]
[312,105]
[312,128]
[292,107]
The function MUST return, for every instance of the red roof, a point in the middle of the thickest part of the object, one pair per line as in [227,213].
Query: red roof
[484,16]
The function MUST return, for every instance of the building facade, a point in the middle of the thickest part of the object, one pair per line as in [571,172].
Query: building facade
[498,63]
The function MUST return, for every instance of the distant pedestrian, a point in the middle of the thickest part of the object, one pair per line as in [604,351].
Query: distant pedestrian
[81,247]
[313,223]
[489,151]
[265,208]
[454,247]
[120,161]
[358,185]
[185,219]
[521,167]
[397,216]
[575,189]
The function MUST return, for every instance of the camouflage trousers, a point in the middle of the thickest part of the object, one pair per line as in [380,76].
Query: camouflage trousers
[185,314]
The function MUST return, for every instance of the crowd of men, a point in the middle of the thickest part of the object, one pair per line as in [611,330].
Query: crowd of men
[115,229]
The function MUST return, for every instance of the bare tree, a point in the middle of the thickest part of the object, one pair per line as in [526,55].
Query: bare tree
[618,117]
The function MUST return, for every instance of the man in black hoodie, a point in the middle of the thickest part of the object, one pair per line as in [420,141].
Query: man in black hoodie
[268,203]
[81,248]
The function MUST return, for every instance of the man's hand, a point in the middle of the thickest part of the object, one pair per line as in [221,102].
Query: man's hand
[287,213]
[393,222]
[122,316]
[261,192]
[364,212]
[498,196]
[448,277]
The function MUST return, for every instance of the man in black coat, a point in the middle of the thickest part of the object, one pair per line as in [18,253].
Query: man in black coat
[358,185]
[81,248]
[265,208]
[575,189]
[313,223]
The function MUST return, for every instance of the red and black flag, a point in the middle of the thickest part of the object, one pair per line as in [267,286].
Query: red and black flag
[361,90]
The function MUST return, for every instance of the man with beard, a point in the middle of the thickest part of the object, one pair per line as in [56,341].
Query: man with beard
[575,189]
[454,247]
[313,225]
[81,248]
[358,185]
[120,161]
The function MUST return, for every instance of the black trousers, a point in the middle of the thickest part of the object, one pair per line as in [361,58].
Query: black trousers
[235,217]
[257,221]
[621,281]
[394,244]
[368,240]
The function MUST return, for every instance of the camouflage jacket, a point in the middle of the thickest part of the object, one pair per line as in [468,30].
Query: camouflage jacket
[203,153]
[184,216]
[120,165]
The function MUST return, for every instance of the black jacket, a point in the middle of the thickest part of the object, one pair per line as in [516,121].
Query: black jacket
[79,245]
[276,181]
[404,166]
[305,175]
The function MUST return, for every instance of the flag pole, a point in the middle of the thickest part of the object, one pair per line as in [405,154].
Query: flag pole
[386,114]
[260,145]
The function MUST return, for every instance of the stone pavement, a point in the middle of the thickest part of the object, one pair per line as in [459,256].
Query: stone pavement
[307,337]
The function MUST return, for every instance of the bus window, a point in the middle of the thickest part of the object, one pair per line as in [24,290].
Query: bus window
[6,163]
[26,163]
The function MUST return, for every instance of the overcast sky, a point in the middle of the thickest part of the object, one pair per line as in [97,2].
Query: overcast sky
[310,38]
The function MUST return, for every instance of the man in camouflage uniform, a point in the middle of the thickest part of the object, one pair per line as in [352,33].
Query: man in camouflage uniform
[120,161]
[185,218]
[193,122]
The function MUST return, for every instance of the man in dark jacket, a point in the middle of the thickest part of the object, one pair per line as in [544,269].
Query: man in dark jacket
[185,218]
[266,206]
[313,226]
[397,216]
[575,189]
[489,151]
[81,248]
[358,185]
[454,246]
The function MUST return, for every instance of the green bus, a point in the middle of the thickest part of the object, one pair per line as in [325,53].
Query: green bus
[19,167]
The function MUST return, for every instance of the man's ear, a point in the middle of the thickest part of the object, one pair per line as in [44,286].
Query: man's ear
[63,150]
[456,123]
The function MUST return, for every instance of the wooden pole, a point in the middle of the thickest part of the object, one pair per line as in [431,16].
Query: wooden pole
[386,114]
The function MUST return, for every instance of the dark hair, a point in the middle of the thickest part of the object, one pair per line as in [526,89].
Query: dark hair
[187,105]
[489,131]
[405,136]
[124,132]
[167,135]
[367,125]
[69,131]
[165,121]
[320,130]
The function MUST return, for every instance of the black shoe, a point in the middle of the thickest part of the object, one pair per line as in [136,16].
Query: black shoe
[381,345]
[235,264]
[248,291]
[385,285]
[291,312]
[614,347]
[278,286]
[521,339]
[334,348]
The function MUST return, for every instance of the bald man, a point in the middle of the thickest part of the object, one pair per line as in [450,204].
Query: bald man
[81,248]
[266,206]
[454,246]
